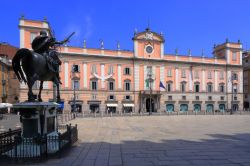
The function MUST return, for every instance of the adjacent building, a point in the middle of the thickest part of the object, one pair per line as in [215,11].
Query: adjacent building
[246,78]
[123,81]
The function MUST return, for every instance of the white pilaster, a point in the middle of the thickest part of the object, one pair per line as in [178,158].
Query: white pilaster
[240,55]
[137,77]
[145,77]
[162,50]
[21,38]
[135,48]
[119,77]
[23,85]
[228,55]
[216,80]
[85,75]
[66,74]
[162,76]
[177,87]
[240,82]
[190,80]
[203,81]
[229,82]
[102,75]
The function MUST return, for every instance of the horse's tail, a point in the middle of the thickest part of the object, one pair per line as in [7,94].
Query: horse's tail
[16,63]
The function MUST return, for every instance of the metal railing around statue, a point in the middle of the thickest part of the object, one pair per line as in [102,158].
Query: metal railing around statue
[14,147]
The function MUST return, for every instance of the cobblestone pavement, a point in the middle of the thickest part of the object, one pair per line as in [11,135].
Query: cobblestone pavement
[161,140]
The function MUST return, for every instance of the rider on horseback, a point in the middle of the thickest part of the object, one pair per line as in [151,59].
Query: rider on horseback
[43,44]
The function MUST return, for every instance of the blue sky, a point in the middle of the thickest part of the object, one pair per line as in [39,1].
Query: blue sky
[186,24]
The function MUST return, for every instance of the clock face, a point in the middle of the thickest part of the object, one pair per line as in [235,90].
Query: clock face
[149,49]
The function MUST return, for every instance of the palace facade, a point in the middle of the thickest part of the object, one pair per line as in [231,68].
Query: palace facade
[124,81]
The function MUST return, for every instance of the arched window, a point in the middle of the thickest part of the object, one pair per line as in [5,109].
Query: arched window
[222,107]
[209,87]
[183,107]
[170,108]
[183,86]
[210,108]
[197,108]
[197,87]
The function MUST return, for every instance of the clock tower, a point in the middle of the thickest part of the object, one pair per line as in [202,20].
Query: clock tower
[148,44]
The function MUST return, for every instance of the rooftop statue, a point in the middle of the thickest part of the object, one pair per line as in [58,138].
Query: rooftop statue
[40,64]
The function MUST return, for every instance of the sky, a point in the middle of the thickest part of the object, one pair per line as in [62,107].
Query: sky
[185,24]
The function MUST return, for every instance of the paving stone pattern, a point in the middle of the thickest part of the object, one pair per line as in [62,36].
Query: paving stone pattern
[160,140]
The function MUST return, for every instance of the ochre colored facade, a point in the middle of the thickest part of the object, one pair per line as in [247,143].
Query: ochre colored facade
[117,80]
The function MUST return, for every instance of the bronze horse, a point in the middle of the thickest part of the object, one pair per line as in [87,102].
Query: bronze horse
[30,67]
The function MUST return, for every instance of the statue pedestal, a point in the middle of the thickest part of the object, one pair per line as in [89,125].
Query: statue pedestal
[37,118]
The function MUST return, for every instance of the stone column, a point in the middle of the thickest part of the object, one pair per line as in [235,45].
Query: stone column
[216,81]
[203,81]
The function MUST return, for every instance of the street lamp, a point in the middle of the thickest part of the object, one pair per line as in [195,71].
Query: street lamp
[233,77]
[74,97]
[150,80]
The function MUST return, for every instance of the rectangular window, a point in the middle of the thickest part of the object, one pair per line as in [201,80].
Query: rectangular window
[222,88]
[183,87]
[234,57]
[76,85]
[110,70]
[93,85]
[111,85]
[209,75]
[235,97]
[209,97]
[196,74]
[93,69]
[169,73]
[127,86]
[183,73]
[197,98]
[169,87]
[127,97]
[183,97]
[197,88]
[221,75]
[75,68]
[170,97]
[111,97]
[126,71]
[222,98]
[209,88]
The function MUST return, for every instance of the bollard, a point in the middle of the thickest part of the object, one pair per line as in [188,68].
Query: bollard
[95,114]
[110,114]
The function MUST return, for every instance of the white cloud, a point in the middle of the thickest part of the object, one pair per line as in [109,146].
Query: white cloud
[83,30]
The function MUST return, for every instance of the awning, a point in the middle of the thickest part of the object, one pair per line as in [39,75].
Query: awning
[128,105]
[111,105]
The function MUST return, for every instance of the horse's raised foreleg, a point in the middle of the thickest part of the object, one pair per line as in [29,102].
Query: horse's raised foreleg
[31,97]
[40,91]
[58,92]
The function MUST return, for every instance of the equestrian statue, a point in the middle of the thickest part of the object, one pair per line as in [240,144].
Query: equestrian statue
[40,64]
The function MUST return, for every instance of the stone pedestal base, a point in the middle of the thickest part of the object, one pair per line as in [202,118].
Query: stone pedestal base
[37,118]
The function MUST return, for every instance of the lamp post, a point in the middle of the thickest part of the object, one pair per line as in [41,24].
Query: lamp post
[74,97]
[150,80]
[233,77]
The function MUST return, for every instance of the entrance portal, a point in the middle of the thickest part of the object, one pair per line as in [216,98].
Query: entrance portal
[148,107]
